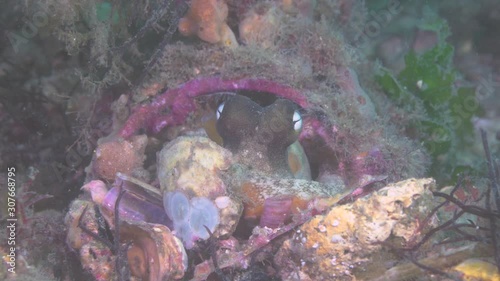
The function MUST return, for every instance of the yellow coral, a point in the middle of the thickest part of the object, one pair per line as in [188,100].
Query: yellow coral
[192,164]
[474,269]
[348,234]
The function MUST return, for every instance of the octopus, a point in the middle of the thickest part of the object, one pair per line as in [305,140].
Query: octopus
[271,172]
[264,138]
[258,175]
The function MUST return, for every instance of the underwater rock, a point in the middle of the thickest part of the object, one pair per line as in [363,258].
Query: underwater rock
[230,210]
[191,165]
[207,20]
[343,239]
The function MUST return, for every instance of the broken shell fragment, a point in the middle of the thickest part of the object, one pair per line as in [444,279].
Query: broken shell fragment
[135,205]
[154,253]
[95,256]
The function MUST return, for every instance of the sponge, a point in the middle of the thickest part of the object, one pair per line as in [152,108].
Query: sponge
[207,20]
[190,217]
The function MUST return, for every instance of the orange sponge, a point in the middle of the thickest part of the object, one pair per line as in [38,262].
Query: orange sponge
[207,20]
[119,156]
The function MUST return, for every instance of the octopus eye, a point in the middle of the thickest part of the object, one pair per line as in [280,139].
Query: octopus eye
[297,121]
[219,110]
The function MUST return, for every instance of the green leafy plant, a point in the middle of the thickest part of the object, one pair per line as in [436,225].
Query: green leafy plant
[426,88]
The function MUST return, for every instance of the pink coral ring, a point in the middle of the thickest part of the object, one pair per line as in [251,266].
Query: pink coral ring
[180,101]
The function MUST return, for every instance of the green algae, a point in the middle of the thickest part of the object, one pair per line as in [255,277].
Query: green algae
[427,87]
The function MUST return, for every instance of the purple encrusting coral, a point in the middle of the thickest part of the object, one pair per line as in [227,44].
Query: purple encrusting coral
[180,101]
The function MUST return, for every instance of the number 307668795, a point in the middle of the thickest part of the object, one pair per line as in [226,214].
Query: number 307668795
[11,185]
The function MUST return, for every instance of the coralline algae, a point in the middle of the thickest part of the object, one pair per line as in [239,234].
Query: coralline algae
[347,235]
